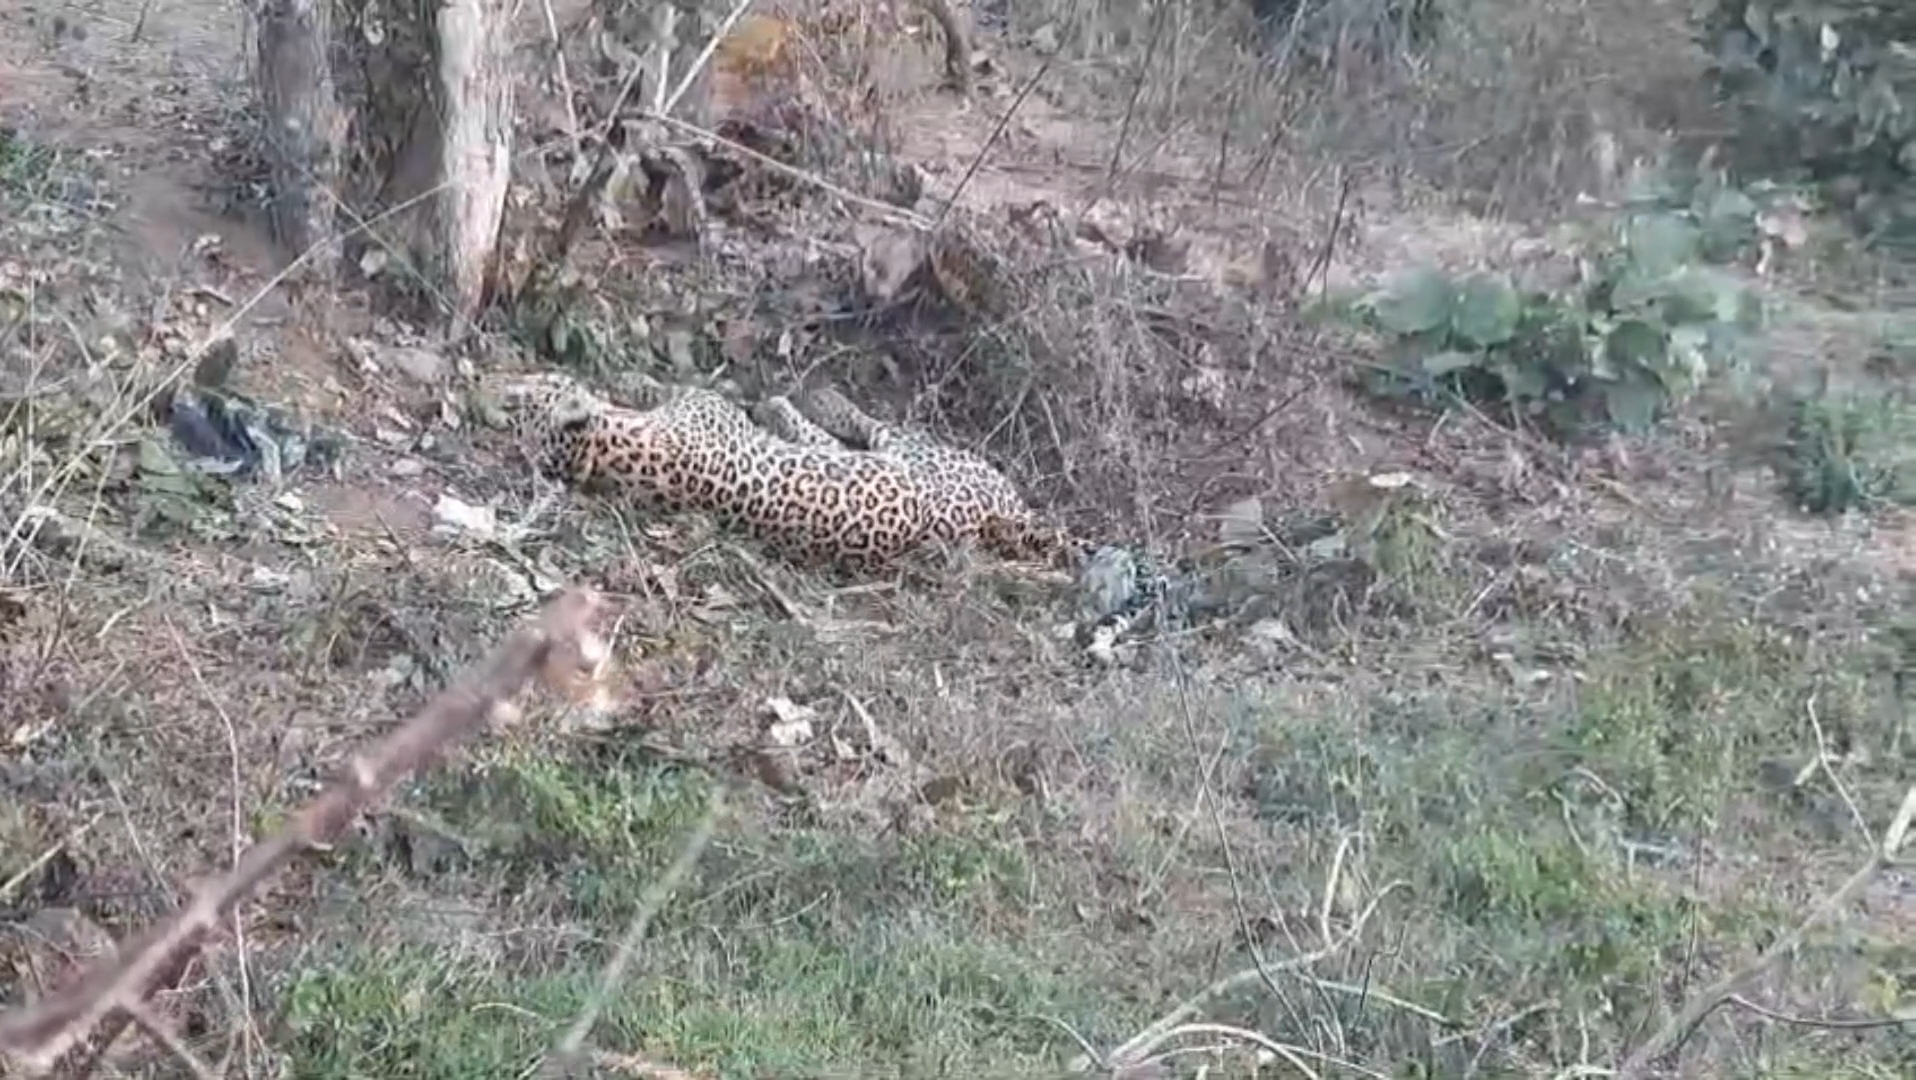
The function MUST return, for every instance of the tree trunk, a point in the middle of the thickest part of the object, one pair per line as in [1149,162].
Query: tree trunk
[475,144]
[304,126]
[402,109]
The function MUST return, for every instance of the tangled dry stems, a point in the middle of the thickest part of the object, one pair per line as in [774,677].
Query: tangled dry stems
[1884,857]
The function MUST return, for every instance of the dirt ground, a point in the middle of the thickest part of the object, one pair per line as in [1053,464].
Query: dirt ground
[1626,720]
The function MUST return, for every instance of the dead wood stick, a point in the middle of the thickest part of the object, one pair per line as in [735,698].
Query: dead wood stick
[555,647]
[1674,1034]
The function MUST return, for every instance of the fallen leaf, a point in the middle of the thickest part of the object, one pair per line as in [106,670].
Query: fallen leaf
[792,724]
[461,516]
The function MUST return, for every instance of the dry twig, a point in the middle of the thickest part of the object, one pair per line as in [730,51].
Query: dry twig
[1145,1044]
[882,209]
[569,1055]
[1730,988]
[1824,757]
[26,873]
[1104,190]
[991,140]
[556,647]
[1294,1055]
[1824,1023]
[565,80]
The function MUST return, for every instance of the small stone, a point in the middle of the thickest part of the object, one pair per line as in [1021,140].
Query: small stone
[419,365]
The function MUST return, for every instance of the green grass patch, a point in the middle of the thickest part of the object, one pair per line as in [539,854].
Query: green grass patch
[792,1001]
[26,167]
[1549,838]
[1547,835]
[794,950]
[1849,451]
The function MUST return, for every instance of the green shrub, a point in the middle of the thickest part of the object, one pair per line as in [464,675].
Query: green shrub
[1850,451]
[1636,334]
[1825,92]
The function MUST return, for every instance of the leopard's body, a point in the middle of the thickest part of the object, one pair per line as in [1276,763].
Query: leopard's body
[780,417]
[971,487]
[809,501]
[968,477]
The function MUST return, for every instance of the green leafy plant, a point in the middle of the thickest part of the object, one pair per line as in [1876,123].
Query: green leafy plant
[1728,215]
[1637,333]
[1850,451]
[1825,92]
[25,167]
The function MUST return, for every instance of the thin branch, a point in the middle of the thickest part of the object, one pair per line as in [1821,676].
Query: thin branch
[238,833]
[157,1030]
[570,1051]
[1322,264]
[979,158]
[1331,879]
[1291,1054]
[881,208]
[1130,114]
[1287,1051]
[1381,997]
[8,886]
[1767,1013]
[558,646]
[1823,757]
[1681,1026]
[565,80]
[704,57]
[1154,1035]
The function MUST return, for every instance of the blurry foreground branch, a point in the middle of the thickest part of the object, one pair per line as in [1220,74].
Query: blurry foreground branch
[560,647]
[1888,854]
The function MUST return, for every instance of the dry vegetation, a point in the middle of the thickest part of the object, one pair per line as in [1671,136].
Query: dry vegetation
[1499,772]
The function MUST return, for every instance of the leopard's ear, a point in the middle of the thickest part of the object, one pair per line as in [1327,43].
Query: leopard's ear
[575,412]
[484,404]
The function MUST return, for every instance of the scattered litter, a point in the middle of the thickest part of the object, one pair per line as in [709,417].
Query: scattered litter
[29,733]
[452,515]
[400,670]
[1272,631]
[1242,524]
[882,746]
[1103,645]
[792,723]
[231,435]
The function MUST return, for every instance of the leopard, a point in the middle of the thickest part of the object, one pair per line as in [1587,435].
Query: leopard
[975,488]
[779,416]
[964,473]
[687,448]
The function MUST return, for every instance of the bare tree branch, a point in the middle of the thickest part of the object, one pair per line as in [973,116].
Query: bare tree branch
[1674,1034]
[557,647]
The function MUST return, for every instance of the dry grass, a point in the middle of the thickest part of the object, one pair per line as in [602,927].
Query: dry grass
[1513,108]
[1501,801]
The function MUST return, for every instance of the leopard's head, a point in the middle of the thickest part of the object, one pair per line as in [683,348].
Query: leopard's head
[1035,541]
[544,413]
